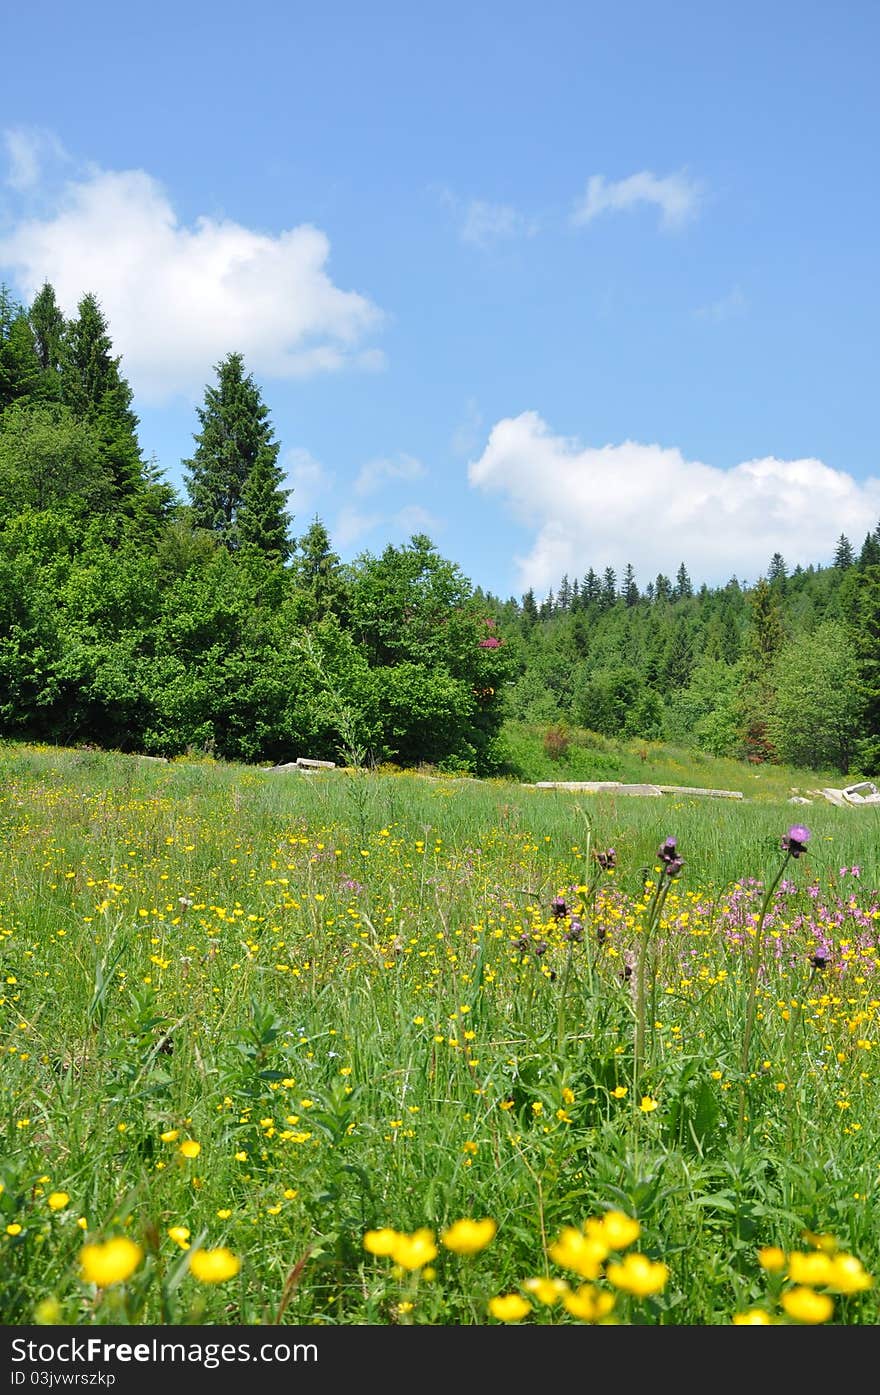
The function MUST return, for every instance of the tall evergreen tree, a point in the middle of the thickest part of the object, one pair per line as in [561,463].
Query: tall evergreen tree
[319,572]
[608,593]
[236,443]
[764,638]
[19,365]
[49,328]
[629,590]
[96,392]
[683,588]
[843,553]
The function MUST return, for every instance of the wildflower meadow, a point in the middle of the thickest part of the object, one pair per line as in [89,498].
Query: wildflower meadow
[375,1048]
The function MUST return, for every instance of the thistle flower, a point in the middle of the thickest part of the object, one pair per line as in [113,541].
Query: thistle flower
[795,840]
[558,907]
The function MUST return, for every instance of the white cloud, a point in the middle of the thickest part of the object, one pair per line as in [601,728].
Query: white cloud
[351,526]
[646,504]
[179,298]
[377,473]
[27,150]
[676,195]
[482,223]
[487,223]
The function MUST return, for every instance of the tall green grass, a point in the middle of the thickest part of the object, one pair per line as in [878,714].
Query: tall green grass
[350,990]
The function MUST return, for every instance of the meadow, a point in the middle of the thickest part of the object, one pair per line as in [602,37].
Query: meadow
[389,1048]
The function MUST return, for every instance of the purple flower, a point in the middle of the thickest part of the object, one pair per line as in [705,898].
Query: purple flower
[667,854]
[795,840]
[558,907]
[606,860]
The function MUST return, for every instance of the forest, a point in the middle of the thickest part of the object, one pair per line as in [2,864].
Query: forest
[137,618]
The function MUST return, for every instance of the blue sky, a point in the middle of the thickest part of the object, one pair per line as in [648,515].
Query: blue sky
[561,286]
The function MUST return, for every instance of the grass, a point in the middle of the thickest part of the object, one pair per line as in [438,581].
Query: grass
[349,996]
[591,756]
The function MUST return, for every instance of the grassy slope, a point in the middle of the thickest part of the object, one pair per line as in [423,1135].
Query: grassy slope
[594,757]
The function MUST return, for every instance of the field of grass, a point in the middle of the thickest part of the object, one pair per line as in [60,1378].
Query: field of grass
[355,1048]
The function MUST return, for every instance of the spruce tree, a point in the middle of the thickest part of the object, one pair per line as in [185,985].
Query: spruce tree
[19,365]
[843,553]
[94,389]
[683,589]
[232,478]
[319,572]
[49,328]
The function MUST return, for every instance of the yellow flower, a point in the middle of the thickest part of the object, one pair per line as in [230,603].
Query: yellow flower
[414,1251]
[214,1266]
[582,1254]
[547,1291]
[47,1313]
[804,1305]
[466,1237]
[771,1258]
[619,1093]
[190,1149]
[509,1307]
[615,1229]
[380,1242]
[647,1104]
[169,1135]
[589,1303]
[753,1317]
[815,1269]
[848,1275]
[56,1201]
[639,1275]
[112,1262]
[567,1095]
[14,1229]
[180,1235]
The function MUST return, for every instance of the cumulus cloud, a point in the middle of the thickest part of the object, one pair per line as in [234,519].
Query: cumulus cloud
[676,195]
[179,298]
[649,505]
[387,470]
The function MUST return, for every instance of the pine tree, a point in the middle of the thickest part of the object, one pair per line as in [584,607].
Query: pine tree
[870,553]
[319,572]
[777,572]
[765,637]
[529,610]
[683,589]
[608,593]
[629,591]
[843,554]
[93,387]
[235,443]
[49,328]
[263,521]
[19,365]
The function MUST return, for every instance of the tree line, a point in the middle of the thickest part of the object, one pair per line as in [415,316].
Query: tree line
[784,669]
[135,618]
